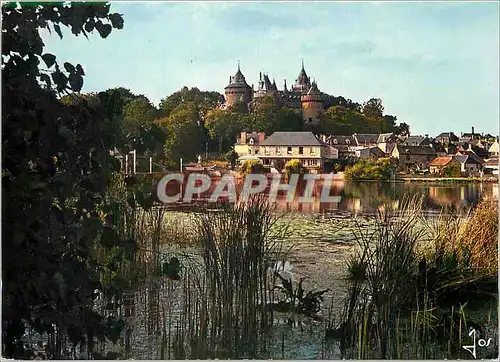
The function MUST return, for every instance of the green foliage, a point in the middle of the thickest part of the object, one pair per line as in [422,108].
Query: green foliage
[251,166]
[296,300]
[204,101]
[345,118]
[373,109]
[294,167]
[55,168]
[268,116]
[231,157]
[185,135]
[381,169]
[223,126]
[137,113]
[451,171]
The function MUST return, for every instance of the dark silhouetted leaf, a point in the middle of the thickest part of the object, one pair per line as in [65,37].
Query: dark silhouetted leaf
[89,25]
[76,82]
[69,67]
[57,28]
[116,20]
[46,79]
[103,29]
[79,70]
[49,59]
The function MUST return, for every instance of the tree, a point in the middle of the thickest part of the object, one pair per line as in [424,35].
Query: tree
[223,126]
[238,108]
[289,120]
[185,134]
[330,101]
[138,112]
[402,130]
[55,168]
[263,115]
[373,109]
[204,101]
[343,121]
[388,124]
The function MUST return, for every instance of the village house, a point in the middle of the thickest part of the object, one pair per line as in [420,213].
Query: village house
[437,165]
[386,142]
[469,165]
[414,156]
[493,150]
[446,137]
[364,140]
[248,143]
[370,153]
[417,141]
[491,166]
[467,137]
[282,147]
[346,145]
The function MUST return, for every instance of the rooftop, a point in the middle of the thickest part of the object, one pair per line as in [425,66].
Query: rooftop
[292,139]
[440,161]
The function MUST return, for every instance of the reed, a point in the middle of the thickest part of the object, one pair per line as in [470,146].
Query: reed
[394,306]
[223,311]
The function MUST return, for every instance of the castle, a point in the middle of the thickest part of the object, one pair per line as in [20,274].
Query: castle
[304,96]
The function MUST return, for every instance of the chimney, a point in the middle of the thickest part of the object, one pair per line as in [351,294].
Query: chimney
[426,136]
[243,138]
[261,136]
[472,131]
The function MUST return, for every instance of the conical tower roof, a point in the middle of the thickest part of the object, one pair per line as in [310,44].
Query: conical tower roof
[302,78]
[314,89]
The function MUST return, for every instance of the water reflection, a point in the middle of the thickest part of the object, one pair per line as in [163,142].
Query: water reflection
[369,197]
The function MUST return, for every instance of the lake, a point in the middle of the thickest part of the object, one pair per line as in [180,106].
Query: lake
[320,238]
[365,197]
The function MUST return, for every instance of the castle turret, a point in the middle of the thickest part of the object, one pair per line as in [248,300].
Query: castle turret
[302,83]
[237,90]
[312,104]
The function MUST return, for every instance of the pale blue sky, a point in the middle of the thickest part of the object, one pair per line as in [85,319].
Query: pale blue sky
[435,65]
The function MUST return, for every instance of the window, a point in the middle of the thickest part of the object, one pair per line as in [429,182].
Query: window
[311,150]
[277,150]
[335,141]
[301,150]
[289,150]
[408,157]
[267,151]
[347,142]
[251,141]
[256,151]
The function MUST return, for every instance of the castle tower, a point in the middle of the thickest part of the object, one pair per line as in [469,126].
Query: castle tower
[312,105]
[302,83]
[237,90]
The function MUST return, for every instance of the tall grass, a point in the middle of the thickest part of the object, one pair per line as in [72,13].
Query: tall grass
[225,298]
[395,306]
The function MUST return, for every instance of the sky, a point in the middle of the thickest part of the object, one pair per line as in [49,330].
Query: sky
[435,65]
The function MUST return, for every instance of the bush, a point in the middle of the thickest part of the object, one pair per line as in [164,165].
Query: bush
[451,171]
[251,166]
[294,167]
[381,169]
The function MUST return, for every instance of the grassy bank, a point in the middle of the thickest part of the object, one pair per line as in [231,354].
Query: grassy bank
[410,289]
